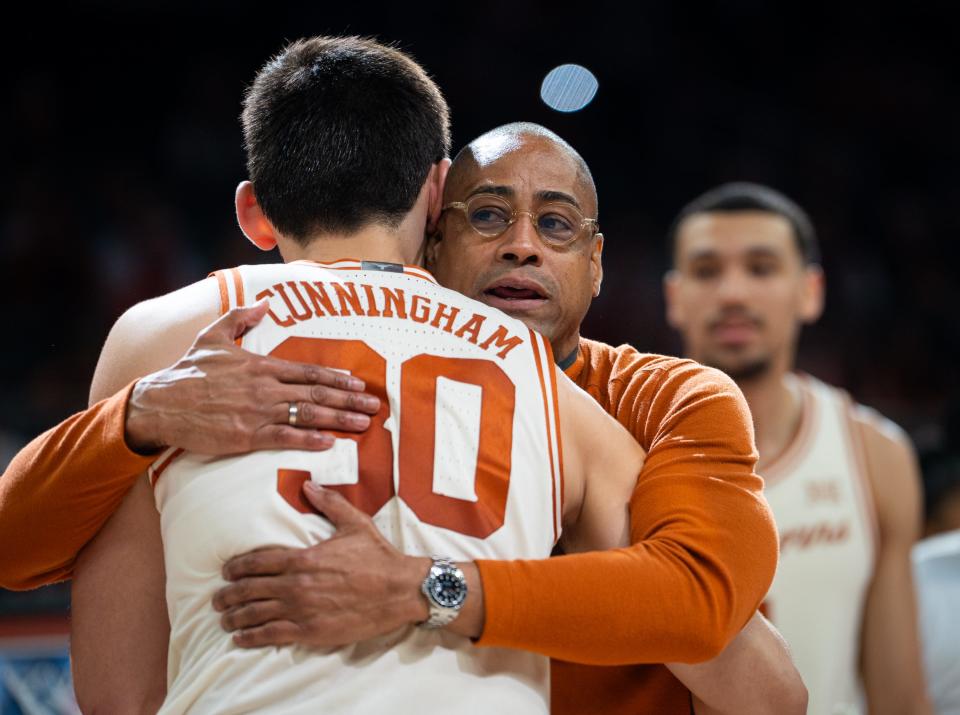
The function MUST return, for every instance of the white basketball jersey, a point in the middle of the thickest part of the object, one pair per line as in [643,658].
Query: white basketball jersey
[463,460]
[820,496]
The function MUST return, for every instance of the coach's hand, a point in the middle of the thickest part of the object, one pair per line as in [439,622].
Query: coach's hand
[219,399]
[353,586]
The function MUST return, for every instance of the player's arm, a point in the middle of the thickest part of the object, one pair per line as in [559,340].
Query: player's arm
[119,626]
[889,645]
[754,675]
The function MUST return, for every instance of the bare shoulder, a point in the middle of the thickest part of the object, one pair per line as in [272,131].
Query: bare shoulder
[153,334]
[892,469]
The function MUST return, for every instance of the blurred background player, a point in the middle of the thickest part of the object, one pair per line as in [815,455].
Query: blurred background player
[843,481]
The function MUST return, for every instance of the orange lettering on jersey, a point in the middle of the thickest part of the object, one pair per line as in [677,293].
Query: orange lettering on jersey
[372,311]
[286,299]
[307,314]
[319,299]
[347,293]
[286,322]
[471,328]
[823,533]
[290,485]
[393,300]
[500,340]
[419,313]
[442,313]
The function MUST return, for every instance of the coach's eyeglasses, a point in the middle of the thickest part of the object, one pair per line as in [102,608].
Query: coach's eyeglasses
[557,224]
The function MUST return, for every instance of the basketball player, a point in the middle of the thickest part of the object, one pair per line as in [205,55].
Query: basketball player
[658,573]
[284,596]
[842,480]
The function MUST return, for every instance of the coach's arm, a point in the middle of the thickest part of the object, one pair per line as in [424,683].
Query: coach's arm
[703,554]
[62,487]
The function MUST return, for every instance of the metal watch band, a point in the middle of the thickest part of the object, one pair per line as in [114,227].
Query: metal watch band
[441,614]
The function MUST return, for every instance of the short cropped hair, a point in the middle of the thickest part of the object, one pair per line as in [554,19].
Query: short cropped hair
[340,132]
[745,196]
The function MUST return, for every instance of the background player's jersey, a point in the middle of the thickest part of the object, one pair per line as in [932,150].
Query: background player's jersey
[820,495]
[462,460]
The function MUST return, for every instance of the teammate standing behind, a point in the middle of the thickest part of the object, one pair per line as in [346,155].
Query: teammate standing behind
[842,481]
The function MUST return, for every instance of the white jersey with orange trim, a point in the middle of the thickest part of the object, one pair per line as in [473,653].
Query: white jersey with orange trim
[463,460]
[821,499]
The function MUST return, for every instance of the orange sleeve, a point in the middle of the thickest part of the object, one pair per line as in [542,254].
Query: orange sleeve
[704,543]
[60,489]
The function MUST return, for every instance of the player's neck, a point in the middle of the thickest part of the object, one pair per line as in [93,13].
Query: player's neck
[373,243]
[776,406]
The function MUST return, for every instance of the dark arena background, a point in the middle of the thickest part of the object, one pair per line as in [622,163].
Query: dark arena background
[121,150]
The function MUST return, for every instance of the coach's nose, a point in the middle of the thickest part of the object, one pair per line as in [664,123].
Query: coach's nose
[520,243]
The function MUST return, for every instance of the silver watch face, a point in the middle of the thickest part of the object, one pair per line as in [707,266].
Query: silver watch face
[447,590]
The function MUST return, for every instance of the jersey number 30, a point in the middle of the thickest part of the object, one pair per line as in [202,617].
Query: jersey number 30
[418,413]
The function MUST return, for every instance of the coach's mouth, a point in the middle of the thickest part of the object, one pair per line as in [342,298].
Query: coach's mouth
[515,295]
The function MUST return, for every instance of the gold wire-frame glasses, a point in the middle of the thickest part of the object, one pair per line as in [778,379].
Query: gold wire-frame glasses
[557,224]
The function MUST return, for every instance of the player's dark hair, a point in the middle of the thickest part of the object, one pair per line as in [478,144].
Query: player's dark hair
[341,132]
[745,196]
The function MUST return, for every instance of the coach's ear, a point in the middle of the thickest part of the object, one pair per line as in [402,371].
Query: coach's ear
[253,222]
[596,264]
[437,179]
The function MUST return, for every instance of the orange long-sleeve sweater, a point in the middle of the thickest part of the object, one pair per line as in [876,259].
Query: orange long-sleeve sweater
[703,554]
[60,490]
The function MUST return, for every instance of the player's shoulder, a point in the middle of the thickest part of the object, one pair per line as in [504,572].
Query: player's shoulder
[879,433]
[197,302]
[890,465]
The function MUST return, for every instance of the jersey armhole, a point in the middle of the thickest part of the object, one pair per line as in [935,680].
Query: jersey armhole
[230,283]
[861,468]
[547,373]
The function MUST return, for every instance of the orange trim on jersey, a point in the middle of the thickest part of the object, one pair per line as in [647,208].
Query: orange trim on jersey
[352,264]
[780,467]
[238,286]
[855,444]
[224,294]
[556,416]
[155,477]
[238,294]
[546,421]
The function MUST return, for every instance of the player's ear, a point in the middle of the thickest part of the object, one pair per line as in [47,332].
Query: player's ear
[432,249]
[811,300]
[596,264]
[253,222]
[671,293]
[436,179]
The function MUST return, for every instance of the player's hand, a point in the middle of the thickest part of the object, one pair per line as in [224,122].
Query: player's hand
[219,399]
[353,586]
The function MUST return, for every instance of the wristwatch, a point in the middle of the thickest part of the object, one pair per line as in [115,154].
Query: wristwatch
[445,589]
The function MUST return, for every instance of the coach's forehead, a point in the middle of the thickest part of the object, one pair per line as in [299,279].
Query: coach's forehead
[526,163]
